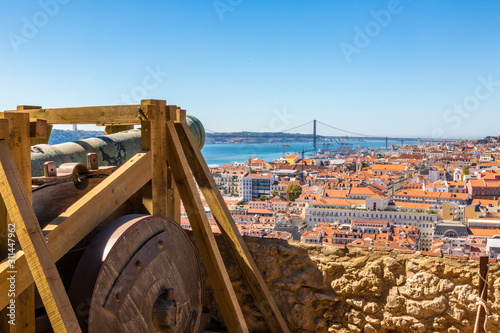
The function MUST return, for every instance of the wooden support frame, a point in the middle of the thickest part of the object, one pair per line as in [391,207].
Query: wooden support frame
[30,237]
[4,129]
[99,115]
[18,140]
[158,116]
[117,128]
[83,216]
[250,272]
[169,167]
[205,240]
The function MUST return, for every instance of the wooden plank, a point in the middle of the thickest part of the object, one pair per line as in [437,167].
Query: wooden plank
[204,237]
[44,140]
[115,129]
[4,129]
[83,216]
[483,292]
[219,210]
[38,129]
[19,145]
[27,107]
[30,236]
[158,117]
[146,134]
[4,251]
[147,190]
[173,197]
[100,115]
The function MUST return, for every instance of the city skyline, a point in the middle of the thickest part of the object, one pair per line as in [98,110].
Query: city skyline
[398,68]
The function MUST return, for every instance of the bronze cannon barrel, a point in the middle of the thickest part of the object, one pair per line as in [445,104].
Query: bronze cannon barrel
[113,149]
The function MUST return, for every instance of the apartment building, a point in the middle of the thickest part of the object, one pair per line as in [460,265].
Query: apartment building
[255,186]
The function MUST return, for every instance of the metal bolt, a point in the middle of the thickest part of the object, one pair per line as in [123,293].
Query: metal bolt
[46,240]
[117,297]
[169,294]
[138,264]
[160,244]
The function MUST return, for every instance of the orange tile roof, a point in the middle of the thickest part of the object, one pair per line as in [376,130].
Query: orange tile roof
[389,167]
[478,232]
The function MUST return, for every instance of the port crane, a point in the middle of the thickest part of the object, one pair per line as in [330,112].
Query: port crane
[301,152]
[284,146]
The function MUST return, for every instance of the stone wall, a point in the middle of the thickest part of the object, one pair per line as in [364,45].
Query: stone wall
[337,289]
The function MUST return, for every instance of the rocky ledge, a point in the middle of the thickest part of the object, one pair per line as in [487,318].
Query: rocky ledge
[338,289]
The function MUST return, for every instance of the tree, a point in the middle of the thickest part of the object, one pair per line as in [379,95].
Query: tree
[263,198]
[241,202]
[295,191]
[465,171]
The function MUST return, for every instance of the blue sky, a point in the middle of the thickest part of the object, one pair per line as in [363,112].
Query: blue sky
[424,68]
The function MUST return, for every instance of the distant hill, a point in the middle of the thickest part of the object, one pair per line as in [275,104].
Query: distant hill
[60,136]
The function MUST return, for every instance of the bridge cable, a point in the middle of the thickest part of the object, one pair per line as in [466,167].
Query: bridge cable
[339,129]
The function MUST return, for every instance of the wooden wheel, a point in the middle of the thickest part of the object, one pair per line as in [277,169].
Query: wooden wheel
[140,274]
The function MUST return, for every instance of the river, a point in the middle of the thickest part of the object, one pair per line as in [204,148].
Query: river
[219,154]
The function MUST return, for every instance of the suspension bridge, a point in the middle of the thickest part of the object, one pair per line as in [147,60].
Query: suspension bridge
[354,136]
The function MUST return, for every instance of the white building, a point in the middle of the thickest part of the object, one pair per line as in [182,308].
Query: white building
[493,248]
[255,186]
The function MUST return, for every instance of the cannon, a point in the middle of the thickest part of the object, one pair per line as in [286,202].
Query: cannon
[113,149]
[143,268]
[98,221]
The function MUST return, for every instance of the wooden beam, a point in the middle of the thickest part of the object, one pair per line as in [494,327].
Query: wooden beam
[30,236]
[115,129]
[4,231]
[219,210]
[44,140]
[99,115]
[173,197]
[38,129]
[158,117]
[483,292]
[4,129]
[19,146]
[64,232]
[204,237]
[27,107]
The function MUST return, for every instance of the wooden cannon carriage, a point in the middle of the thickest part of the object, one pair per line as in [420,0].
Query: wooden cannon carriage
[115,272]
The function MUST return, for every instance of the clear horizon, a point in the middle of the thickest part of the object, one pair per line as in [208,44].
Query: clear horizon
[382,68]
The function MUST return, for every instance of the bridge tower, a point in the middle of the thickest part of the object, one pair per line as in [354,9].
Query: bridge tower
[314,134]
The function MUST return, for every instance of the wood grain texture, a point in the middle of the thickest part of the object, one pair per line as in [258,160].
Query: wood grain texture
[83,216]
[38,129]
[250,271]
[99,115]
[204,237]
[115,129]
[30,236]
[4,129]
[44,140]
[158,117]
[175,265]
[19,145]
